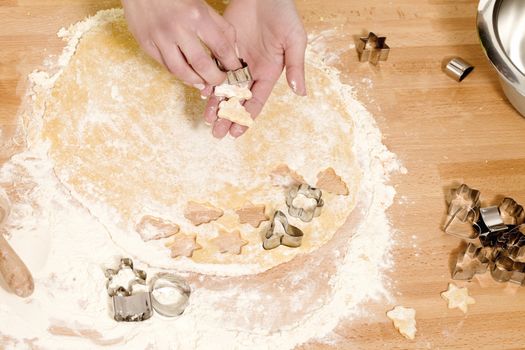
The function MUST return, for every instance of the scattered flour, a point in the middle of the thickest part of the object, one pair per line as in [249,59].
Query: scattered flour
[69,308]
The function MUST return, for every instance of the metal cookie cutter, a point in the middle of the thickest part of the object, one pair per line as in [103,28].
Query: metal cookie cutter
[131,302]
[304,202]
[372,49]
[135,301]
[457,68]
[280,232]
[470,262]
[463,212]
[169,294]
[511,212]
[241,76]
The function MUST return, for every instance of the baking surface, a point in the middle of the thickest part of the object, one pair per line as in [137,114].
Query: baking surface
[444,132]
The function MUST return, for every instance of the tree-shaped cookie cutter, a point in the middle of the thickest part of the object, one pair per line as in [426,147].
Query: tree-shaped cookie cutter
[297,209]
[240,77]
[129,305]
[463,212]
[289,236]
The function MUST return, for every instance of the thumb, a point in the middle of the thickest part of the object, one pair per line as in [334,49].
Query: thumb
[294,62]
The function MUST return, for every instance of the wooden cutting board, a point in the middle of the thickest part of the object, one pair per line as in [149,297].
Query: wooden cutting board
[444,133]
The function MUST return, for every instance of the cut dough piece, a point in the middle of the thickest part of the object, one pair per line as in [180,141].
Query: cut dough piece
[153,228]
[202,213]
[233,91]
[458,297]
[282,175]
[235,112]
[183,245]
[404,320]
[252,214]
[305,203]
[328,180]
[229,242]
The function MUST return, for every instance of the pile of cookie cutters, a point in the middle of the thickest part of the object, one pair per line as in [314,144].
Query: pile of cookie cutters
[495,236]
[304,202]
[136,300]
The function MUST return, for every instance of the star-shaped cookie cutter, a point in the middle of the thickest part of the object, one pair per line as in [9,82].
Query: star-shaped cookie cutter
[304,211]
[372,48]
[289,236]
[463,212]
[129,304]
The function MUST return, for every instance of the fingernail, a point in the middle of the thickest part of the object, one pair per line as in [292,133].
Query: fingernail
[293,84]
[204,97]
[237,130]
[199,86]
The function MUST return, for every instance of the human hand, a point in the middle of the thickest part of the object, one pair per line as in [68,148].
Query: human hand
[270,36]
[173,33]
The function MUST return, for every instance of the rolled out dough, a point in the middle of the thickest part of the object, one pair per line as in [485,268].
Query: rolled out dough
[127,140]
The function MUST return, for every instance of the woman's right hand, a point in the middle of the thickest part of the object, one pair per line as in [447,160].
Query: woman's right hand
[174,33]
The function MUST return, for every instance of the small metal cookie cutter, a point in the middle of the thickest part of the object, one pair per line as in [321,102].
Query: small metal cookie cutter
[457,68]
[511,212]
[174,302]
[289,236]
[129,305]
[165,293]
[241,76]
[372,48]
[463,212]
[300,210]
[471,261]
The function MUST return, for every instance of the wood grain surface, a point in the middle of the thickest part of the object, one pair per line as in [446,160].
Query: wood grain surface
[444,132]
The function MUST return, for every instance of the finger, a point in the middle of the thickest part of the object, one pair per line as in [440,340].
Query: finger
[174,60]
[210,113]
[200,61]
[294,62]
[221,128]
[152,50]
[261,90]
[221,40]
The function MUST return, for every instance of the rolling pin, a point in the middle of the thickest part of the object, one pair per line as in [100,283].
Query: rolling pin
[12,268]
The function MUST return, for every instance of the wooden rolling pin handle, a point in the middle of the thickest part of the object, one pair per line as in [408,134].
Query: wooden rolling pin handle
[14,271]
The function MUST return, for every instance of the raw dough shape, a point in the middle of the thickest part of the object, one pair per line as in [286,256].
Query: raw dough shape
[229,242]
[153,228]
[201,213]
[183,245]
[458,297]
[233,91]
[282,175]
[235,112]
[252,214]
[329,181]
[404,320]
[305,203]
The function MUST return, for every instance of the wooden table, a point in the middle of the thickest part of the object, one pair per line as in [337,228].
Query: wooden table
[444,133]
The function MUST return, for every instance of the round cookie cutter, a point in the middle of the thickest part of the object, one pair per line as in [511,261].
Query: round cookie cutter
[170,294]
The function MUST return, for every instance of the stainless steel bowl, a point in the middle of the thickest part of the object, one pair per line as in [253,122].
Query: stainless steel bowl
[501,28]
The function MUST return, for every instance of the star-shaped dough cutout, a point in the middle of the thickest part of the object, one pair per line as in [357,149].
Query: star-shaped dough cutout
[252,214]
[457,297]
[183,245]
[404,320]
[229,242]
